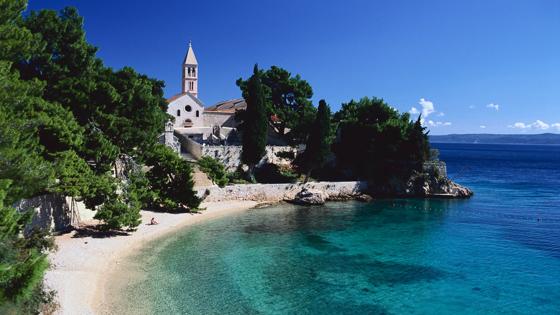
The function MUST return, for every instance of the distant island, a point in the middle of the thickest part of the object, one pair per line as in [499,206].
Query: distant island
[485,138]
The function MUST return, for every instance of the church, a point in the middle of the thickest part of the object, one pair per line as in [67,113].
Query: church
[192,119]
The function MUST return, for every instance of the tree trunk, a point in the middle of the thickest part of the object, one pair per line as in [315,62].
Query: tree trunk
[307,175]
[251,173]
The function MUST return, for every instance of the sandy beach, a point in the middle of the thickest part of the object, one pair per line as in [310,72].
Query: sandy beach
[83,261]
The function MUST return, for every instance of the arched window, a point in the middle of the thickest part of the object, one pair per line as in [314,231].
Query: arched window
[197,114]
[178,112]
[188,108]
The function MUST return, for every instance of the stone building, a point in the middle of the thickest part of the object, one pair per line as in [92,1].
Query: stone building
[209,130]
[192,119]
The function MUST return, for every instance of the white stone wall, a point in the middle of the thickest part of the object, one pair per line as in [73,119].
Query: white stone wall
[54,212]
[220,119]
[278,192]
[230,155]
[179,105]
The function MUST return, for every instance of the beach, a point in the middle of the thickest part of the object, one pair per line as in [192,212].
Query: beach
[83,262]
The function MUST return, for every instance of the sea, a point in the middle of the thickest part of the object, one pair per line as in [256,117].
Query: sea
[495,253]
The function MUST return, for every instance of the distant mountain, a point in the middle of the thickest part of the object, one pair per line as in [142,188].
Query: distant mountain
[486,138]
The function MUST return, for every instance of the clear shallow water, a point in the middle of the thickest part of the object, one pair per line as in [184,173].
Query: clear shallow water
[497,253]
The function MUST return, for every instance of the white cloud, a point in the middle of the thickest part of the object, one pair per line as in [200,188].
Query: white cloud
[432,123]
[493,106]
[519,125]
[427,107]
[472,107]
[482,127]
[537,125]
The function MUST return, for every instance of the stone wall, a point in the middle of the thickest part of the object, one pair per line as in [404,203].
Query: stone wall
[219,119]
[230,155]
[278,192]
[54,212]
[191,146]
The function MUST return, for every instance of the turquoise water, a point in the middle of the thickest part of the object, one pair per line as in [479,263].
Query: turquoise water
[497,253]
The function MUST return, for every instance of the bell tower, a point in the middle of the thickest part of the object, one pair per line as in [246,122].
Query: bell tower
[190,73]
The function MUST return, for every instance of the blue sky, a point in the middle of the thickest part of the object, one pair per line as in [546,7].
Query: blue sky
[473,67]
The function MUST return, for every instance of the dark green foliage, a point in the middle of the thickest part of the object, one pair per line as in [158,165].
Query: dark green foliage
[288,100]
[121,211]
[254,124]
[16,42]
[376,142]
[318,145]
[273,174]
[20,154]
[237,177]
[171,180]
[214,169]
[23,261]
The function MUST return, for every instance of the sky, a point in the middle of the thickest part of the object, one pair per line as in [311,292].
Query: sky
[479,66]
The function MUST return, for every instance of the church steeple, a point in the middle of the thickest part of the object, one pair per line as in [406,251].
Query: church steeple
[190,72]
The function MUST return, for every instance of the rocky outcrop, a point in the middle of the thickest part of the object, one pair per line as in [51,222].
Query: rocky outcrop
[309,197]
[425,185]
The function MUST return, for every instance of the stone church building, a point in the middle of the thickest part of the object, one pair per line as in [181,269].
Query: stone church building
[198,130]
[192,119]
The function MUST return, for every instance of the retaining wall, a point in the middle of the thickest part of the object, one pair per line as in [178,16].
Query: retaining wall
[230,155]
[278,192]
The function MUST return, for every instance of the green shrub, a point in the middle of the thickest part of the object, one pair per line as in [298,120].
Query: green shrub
[237,177]
[214,169]
[274,174]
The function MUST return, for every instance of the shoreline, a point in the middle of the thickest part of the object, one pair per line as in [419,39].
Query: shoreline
[82,265]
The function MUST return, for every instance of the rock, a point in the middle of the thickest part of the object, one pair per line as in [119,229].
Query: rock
[426,185]
[364,198]
[309,197]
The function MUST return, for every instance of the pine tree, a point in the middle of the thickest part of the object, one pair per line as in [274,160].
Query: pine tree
[254,128]
[23,261]
[317,148]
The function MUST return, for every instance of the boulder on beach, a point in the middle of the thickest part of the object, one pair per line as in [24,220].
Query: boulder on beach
[309,197]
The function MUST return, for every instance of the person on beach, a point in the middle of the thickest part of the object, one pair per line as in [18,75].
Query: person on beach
[153,221]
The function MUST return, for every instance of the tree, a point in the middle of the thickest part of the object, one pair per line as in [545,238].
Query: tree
[23,261]
[170,179]
[288,99]
[214,169]
[254,124]
[123,210]
[21,155]
[378,143]
[317,148]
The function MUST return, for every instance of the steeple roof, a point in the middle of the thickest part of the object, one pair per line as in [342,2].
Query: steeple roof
[190,58]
